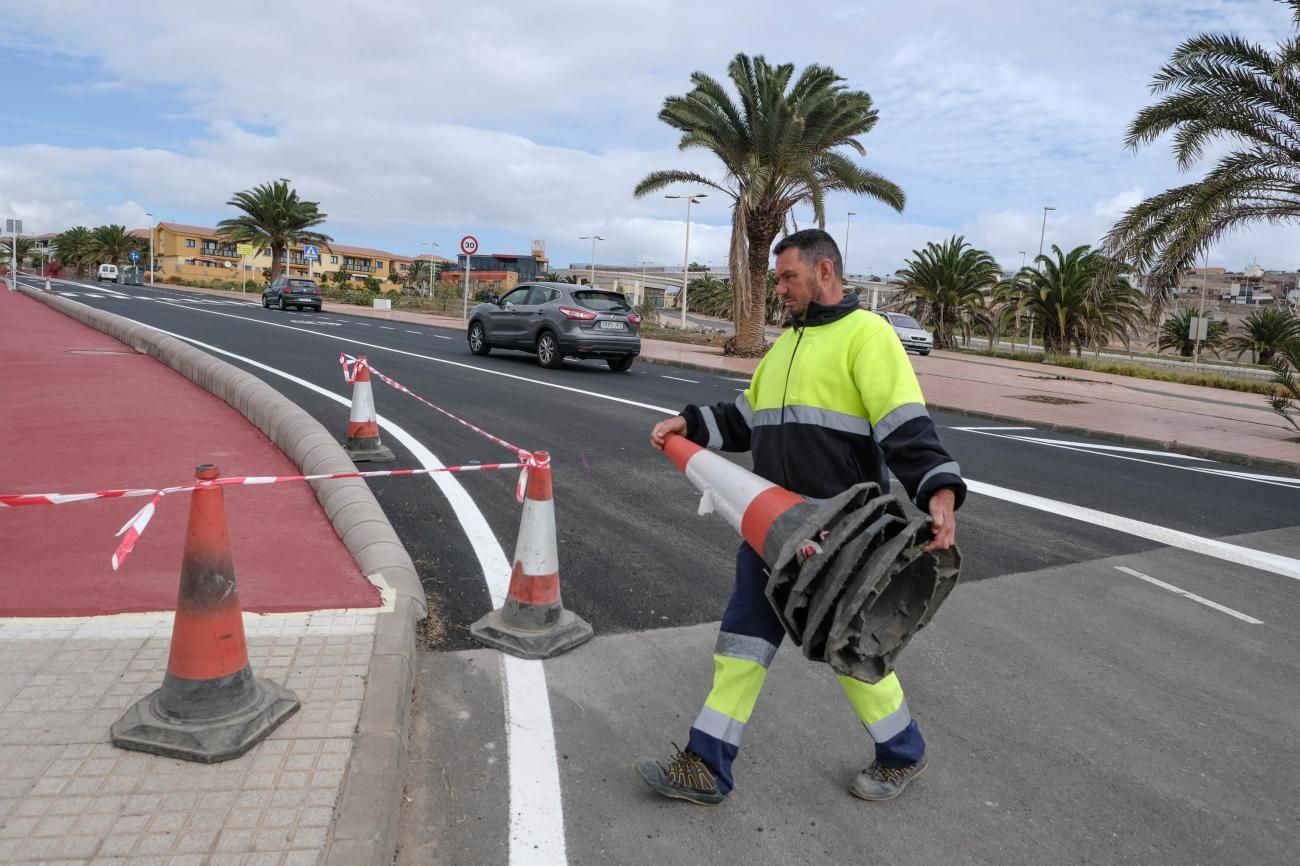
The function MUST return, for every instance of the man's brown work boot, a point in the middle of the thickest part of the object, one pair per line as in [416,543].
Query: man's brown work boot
[686,777]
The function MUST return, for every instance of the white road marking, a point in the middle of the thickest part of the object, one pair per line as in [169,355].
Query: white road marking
[1233,553]
[442,336]
[413,332]
[982,429]
[536,806]
[446,361]
[1193,596]
[97,288]
[677,379]
[386,328]
[1089,448]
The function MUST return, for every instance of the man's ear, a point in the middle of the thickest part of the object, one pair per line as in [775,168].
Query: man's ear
[825,271]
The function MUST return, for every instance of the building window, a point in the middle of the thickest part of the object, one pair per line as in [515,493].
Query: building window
[402,266]
[190,243]
[334,260]
[379,263]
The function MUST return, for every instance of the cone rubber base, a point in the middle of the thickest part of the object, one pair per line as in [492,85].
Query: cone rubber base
[365,451]
[569,632]
[144,729]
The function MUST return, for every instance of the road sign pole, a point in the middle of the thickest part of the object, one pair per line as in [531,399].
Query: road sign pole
[464,312]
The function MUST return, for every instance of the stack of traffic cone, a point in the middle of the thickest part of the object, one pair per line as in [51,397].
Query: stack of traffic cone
[533,622]
[846,575]
[210,707]
[363,443]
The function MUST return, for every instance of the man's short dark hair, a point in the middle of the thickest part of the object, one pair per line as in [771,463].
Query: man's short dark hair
[813,246]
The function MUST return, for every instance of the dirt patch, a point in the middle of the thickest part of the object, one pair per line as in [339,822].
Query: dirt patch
[1054,401]
[1059,378]
[431,631]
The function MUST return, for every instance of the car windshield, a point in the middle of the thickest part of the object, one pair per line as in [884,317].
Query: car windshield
[605,302]
[906,322]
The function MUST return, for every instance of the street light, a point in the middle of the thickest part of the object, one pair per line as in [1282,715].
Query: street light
[433,265]
[848,223]
[45,260]
[644,262]
[693,198]
[151,219]
[1041,235]
[593,239]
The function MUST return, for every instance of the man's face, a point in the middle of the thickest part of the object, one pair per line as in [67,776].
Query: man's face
[796,282]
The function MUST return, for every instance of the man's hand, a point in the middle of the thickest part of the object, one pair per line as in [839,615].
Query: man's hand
[677,424]
[944,524]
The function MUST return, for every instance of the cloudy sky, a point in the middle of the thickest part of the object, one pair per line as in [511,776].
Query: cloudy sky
[413,122]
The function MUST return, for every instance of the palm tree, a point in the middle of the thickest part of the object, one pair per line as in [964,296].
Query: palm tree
[1081,297]
[709,296]
[273,218]
[1175,329]
[944,287]
[113,243]
[1263,333]
[780,144]
[1216,89]
[75,248]
[1285,398]
[417,273]
[12,249]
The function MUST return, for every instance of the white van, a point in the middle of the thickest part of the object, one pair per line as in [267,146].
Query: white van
[107,272]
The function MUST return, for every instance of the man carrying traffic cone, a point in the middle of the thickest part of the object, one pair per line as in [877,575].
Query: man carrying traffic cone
[363,443]
[210,707]
[832,403]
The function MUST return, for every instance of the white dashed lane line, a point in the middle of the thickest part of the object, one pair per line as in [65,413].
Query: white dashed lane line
[1190,595]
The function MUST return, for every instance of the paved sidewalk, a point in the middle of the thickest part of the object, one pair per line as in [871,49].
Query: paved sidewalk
[80,643]
[1234,426]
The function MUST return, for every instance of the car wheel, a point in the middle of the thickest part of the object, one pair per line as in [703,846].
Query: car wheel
[548,351]
[281,305]
[621,365]
[266,305]
[924,351]
[478,343]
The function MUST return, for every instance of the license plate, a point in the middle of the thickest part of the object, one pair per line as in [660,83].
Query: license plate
[610,326]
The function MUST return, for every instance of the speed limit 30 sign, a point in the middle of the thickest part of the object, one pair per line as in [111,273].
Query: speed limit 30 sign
[469,245]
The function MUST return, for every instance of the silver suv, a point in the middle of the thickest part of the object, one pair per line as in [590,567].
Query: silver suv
[558,320]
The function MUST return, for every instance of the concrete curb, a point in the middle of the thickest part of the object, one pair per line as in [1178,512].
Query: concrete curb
[364,827]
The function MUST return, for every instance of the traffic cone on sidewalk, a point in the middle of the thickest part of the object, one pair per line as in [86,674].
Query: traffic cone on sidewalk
[210,707]
[533,622]
[363,443]
[845,575]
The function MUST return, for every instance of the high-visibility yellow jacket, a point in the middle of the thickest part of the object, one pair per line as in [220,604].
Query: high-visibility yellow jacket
[832,403]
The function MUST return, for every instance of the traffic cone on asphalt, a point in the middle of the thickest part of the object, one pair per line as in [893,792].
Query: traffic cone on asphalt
[845,575]
[533,622]
[363,443]
[210,707]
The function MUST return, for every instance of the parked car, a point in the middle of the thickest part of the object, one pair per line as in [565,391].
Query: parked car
[107,272]
[910,333]
[558,320]
[285,292]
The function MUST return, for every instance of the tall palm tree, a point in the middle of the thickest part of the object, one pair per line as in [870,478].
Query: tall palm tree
[1285,397]
[75,248]
[18,248]
[417,274]
[709,296]
[113,243]
[1264,333]
[273,218]
[1081,297]
[944,286]
[1175,329]
[781,143]
[1215,90]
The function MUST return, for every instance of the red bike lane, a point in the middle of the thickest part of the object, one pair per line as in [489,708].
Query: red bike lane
[88,413]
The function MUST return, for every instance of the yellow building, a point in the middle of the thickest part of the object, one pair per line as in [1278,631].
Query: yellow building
[198,253]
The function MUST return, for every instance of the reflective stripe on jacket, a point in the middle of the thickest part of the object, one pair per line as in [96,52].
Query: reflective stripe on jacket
[834,400]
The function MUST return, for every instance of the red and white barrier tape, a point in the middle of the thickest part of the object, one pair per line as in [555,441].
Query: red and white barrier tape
[135,527]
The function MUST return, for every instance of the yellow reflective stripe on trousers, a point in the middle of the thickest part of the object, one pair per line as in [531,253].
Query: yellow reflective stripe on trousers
[880,706]
[736,686]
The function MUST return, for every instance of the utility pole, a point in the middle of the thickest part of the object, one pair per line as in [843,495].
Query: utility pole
[593,238]
[691,199]
[1200,317]
[847,224]
[1041,235]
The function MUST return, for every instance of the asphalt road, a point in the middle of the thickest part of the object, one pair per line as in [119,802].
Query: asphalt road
[1077,712]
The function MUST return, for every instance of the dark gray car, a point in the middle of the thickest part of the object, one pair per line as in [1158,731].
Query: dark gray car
[559,320]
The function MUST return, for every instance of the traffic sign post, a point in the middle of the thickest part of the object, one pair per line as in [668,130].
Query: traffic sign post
[311,253]
[15,228]
[134,256]
[468,246]
[243,250]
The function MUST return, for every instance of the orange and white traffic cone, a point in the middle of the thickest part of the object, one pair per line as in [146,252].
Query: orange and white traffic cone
[533,622]
[845,575]
[363,444]
[210,707]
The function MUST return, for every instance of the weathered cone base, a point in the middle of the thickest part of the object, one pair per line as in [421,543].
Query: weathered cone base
[147,727]
[368,451]
[567,632]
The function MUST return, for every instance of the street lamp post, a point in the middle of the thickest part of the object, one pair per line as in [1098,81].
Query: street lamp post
[641,298]
[693,198]
[847,223]
[44,253]
[593,239]
[1042,234]
[151,219]
[1200,317]
[433,265]
[1016,333]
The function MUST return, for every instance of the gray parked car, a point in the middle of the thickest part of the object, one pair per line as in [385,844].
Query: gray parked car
[559,320]
[911,334]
